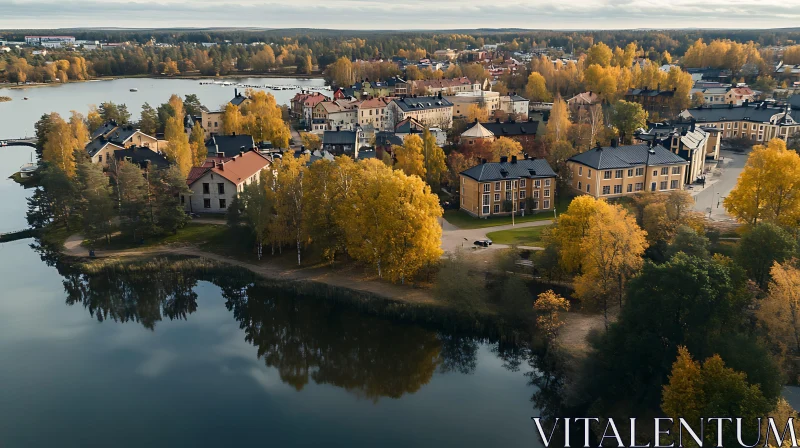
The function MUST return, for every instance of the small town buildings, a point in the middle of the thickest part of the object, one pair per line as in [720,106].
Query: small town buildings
[583,100]
[211,121]
[448,54]
[297,102]
[227,146]
[615,171]
[309,104]
[760,122]
[653,101]
[483,98]
[337,114]
[432,111]
[372,112]
[788,71]
[343,142]
[515,106]
[50,41]
[711,95]
[738,95]
[145,158]
[111,137]
[476,134]
[444,86]
[497,188]
[521,131]
[214,188]
[691,142]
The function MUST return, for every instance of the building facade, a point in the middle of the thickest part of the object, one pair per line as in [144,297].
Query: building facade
[760,122]
[431,111]
[497,188]
[214,188]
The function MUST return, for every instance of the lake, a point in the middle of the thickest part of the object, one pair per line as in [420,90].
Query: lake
[19,115]
[186,360]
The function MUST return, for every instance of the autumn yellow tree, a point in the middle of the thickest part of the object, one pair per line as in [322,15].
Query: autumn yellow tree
[505,147]
[197,142]
[599,54]
[780,309]
[611,253]
[232,120]
[340,73]
[683,395]
[311,141]
[178,150]
[94,119]
[60,145]
[477,113]
[536,88]
[558,124]
[263,119]
[409,156]
[79,130]
[767,187]
[570,230]
[547,306]
[290,200]
[434,160]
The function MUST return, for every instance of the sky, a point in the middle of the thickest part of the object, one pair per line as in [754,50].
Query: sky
[402,14]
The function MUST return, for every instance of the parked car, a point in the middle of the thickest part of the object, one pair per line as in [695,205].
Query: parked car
[483,243]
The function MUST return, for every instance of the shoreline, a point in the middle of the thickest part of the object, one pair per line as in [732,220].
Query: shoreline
[14,86]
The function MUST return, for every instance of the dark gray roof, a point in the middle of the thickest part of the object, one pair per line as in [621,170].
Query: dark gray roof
[384,138]
[527,168]
[229,145]
[422,103]
[609,157]
[794,101]
[509,128]
[339,138]
[109,132]
[94,146]
[649,92]
[238,99]
[515,97]
[408,126]
[752,112]
[142,156]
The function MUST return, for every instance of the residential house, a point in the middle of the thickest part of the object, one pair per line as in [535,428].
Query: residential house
[369,88]
[228,146]
[738,95]
[476,134]
[760,122]
[711,74]
[448,54]
[145,157]
[444,86]
[495,188]
[691,142]
[483,98]
[583,101]
[615,171]
[111,137]
[788,71]
[522,131]
[432,111]
[343,142]
[308,107]
[653,101]
[397,86]
[515,106]
[212,120]
[372,112]
[331,115]
[712,95]
[411,126]
[214,188]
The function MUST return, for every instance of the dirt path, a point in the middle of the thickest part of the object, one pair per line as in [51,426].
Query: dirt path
[577,326]
[350,278]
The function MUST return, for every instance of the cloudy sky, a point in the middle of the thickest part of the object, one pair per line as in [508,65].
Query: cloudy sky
[403,14]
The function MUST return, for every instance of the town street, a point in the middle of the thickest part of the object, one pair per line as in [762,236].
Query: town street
[455,238]
[713,194]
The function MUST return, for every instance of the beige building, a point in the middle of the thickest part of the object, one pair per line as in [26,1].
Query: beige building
[211,121]
[692,143]
[333,115]
[214,188]
[373,112]
[760,122]
[444,86]
[431,111]
[616,171]
[515,106]
[112,137]
[497,188]
[483,98]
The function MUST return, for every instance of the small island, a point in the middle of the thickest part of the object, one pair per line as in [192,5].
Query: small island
[4,99]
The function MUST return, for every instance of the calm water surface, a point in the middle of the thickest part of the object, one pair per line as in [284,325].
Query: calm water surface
[115,360]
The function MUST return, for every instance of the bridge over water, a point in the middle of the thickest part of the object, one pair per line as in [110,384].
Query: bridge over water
[19,142]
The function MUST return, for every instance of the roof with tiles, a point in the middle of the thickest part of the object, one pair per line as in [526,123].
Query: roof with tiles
[526,168]
[422,103]
[241,167]
[512,128]
[610,157]
[759,113]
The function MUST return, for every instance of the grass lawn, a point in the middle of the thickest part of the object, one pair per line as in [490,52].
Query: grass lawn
[464,221]
[525,236]
[191,234]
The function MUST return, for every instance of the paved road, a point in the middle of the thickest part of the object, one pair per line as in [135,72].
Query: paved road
[454,238]
[713,194]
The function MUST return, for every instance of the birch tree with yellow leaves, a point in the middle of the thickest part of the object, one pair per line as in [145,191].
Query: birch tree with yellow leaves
[410,159]
[60,145]
[178,150]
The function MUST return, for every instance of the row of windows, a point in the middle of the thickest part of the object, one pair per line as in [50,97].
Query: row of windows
[618,174]
[207,203]
[638,186]
[220,188]
[521,206]
[521,195]
[537,183]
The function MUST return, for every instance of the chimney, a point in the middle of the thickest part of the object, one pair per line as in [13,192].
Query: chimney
[504,159]
[598,147]
[233,134]
[497,120]
[614,142]
[483,161]
[235,93]
[513,159]
[241,153]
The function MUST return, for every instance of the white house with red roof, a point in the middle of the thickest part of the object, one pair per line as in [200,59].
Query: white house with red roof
[214,187]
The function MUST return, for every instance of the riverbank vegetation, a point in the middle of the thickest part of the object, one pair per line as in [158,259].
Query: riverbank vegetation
[5,99]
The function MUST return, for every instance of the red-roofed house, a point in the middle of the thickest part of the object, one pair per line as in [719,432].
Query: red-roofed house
[214,188]
[308,106]
[738,95]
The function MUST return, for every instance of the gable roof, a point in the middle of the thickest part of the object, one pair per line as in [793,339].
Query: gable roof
[584,98]
[746,112]
[526,168]
[511,128]
[477,131]
[374,103]
[142,157]
[608,157]
[240,167]
[229,145]
[649,92]
[313,100]
[97,145]
[238,99]
[442,83]
[409,125]
[421,103]
[384,138]
[339,137]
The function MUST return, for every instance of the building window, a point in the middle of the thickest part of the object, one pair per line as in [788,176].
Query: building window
[508,185]
[673,184]
[662,185]
[221,188]
[640,171]
[485,209]
[497,208]
[547,193]
[607,174]
[589,174]
[508,195]
[535,205]
[618,174]
[664,171]
[497,186]
[630,173]
[100,158]
[521,205]
[617,189]
[588,188]
[222,203]
[546,203]
[676,170]
[522,183]
[655,173]
[536,195]
[183,199]
[522,194]
[580,187]
[547,182]
[639,186]
[580,171]
[606,189]
[497,197]
[486,188]
[630,188]
[206,203]
[486,199]
[537,183]
[206,189]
